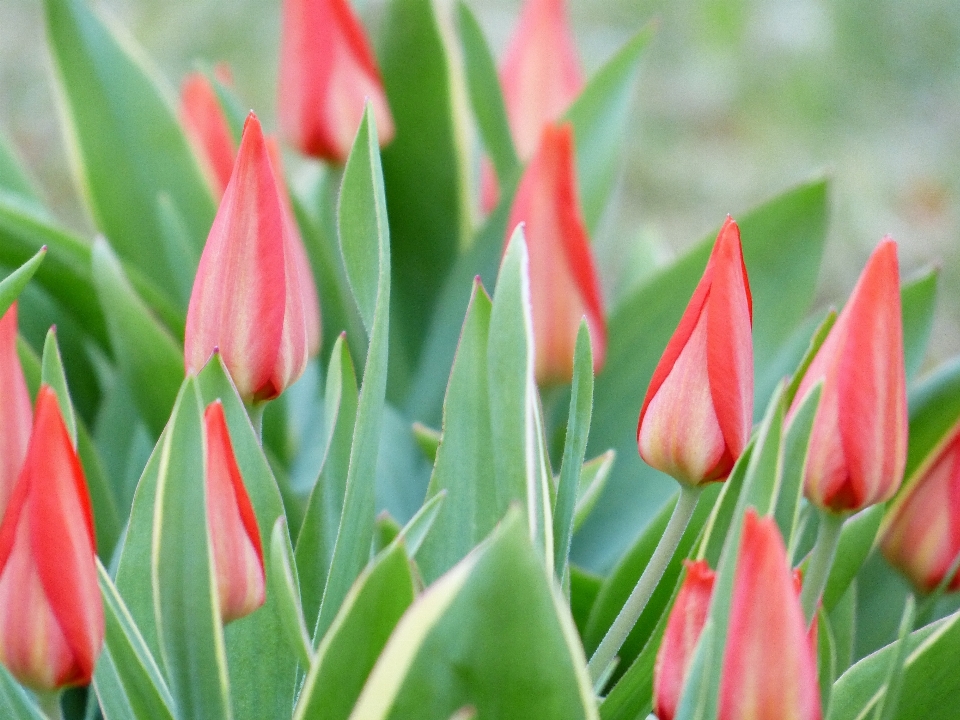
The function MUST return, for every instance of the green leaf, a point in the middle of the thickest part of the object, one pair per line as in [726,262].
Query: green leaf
[695,700]
[150,358]
[318,533]
[486,97]
[790,483]
[130,677]
[124,141]
[428,440]
[107,519]
[13,177]
[918,300]
[356,637]
[856,541]
[816,341]
[584,589]
[593,479]
[365,244]
[575,446]
[417,530]
[463,468]
[493,634]
[600,117]
[51,373]
[783,242]
[14,283]
[826,657]
[181,253]
[424,168]
[930,681]
[934,413]
[283,584]
[14,700]
[843,620]
[189,627]
[887,706]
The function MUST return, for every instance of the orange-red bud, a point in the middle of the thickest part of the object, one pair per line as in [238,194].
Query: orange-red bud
[51,614]
[696,416]
[16,413]
[207,129]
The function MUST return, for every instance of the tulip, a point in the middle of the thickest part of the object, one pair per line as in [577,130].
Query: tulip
[16,413]
[563,282]
[541,76]
[237,551]
[696,416]
[921,536]
[769,671]
[680,637]
[207,129]
[858,445]
[51,614]
[248,298]
[327,74]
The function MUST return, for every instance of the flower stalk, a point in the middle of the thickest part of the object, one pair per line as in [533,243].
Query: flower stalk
[821,560]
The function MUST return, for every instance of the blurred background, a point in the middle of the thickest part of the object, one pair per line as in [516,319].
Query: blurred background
[737,101]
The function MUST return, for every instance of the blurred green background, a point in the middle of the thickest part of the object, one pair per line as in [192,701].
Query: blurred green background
[737,100]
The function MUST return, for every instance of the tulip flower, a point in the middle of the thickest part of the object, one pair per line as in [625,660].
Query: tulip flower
[696,416]
[51,614]
[686,621]
[563,282]
[237,551]
[327,74]
[541,76]
[207,129]
[16,412]
[248,298]
[769,671]
[921,536]
[858,445]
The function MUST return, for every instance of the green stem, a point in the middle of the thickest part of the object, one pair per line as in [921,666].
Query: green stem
[255,412]
[618,632]
[821,560]
[49,703]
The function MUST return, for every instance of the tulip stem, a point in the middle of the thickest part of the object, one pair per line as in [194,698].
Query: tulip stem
[255,413]
[623,625]
[49,703]
[821,560]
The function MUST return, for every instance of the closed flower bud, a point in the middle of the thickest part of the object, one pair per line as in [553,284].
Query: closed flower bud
[541,76]
[16,413]
[696,416]
[248,299]
[51,614]
[237,551]
[921,535]
[563,281]
[769,670]
[206,127]
[327,74]
[858,445]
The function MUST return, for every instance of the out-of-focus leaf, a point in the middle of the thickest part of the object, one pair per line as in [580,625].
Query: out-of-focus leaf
[934,413]
[318,533]
[463,466]
[593,479]
[189,627]
[424,171]
[127,674]
[180,251]
[584,589]
[575,446]
[493,634]
[13,177]
[856,540]
[428,440]
[843,620]
[365,244]
[600,116]
[14,701]
[283,583]
[486,98]
[151,359]
[124,141]
[369,613]
[826,657]
[918,297]
[14,283]
[783,242]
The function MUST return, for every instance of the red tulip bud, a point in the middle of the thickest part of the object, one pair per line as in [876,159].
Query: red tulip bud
[563,282]
[541,76]
[858,445]
[921,536]
[16,413]
[697,413]
[51,614]
[327,74]
[248,297]
[237,551]
[207,129]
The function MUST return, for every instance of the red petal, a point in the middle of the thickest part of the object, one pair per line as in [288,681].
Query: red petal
[16,413]
[207,128]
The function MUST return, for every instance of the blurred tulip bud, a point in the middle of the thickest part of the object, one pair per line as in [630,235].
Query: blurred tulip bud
[247,299]
[16,413]
[541,76]
[327,74]
[858,445]
[696,416]
[237,551]
[683,629]
[207,129]
[563,281]
[921,535]
[769,670]
[51,614]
